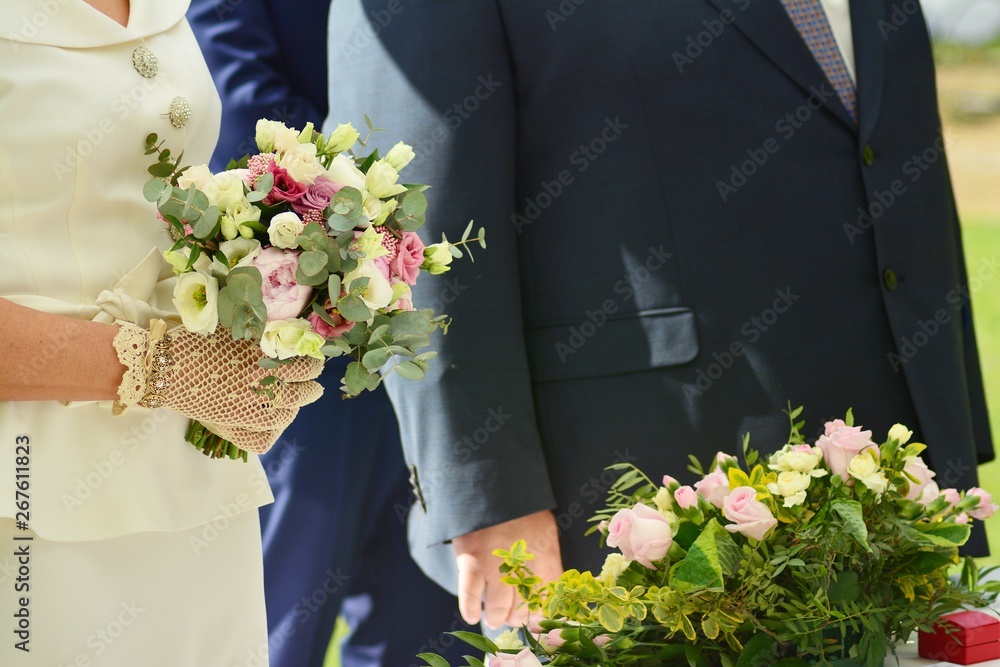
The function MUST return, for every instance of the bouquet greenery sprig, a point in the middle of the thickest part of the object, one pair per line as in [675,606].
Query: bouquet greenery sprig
[829,553]
[308,249]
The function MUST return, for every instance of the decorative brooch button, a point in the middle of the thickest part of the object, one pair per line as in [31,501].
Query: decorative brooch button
[180,112]
[145,63]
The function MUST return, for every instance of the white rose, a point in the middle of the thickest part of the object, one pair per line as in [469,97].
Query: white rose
[791,486]
[285,139]
[196,298]
[344,172]
[285,229]
[509,640]
[225,188]
[399,156]
[196,176]
[342,138]
[266,131]
[240,252]
[301,164]
[865,468]
[613,567]
[900,434]
[378,294]
[381,180]
[282,338]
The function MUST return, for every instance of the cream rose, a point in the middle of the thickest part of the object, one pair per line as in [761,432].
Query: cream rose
[226,188]
[378,293]
[865,468]
[381,180]
[285,229]
[196,176]
[791,486]
[345,173]
[301,164]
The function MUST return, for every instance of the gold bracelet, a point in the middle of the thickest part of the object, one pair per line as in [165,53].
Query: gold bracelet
[159,362]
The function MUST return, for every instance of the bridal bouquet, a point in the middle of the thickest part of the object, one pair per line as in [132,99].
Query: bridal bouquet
[307,249]
[827,553]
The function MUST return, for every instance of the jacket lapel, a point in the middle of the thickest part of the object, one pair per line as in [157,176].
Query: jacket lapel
[767,25]
[869,54]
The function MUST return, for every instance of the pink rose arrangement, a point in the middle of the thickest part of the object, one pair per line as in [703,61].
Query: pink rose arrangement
[725,570]
[311,249]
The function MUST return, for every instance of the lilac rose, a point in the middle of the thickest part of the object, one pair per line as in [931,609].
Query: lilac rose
[317,197]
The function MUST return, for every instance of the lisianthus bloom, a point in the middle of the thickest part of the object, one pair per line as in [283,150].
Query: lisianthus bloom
[437,258]
[865,467]
[399,156]
[285,188]
[284,230]
[713,487]
[841,443]
[409,257]
[342,138]
[748,515]
[900,434]
[196,298]
[791,486]
[284,339]
[240,251]
[641,533]
[339,328]
[283,296]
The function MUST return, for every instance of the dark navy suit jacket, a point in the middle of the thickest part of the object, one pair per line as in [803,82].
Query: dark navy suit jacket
[687,230]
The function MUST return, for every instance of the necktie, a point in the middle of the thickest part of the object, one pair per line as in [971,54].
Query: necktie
[810,20]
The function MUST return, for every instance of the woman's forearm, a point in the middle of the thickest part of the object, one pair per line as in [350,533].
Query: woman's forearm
[51,357]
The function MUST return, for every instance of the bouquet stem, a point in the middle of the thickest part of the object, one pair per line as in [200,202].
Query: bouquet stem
[212,445]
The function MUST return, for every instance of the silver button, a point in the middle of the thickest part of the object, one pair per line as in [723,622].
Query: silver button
[180,112]
[145,63]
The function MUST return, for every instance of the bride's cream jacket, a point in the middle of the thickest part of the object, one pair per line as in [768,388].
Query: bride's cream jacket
[78,239]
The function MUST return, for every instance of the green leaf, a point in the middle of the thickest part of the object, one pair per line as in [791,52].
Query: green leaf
[477,642]
[153,188]
[844,587]
[377,358]
[312,262]
[354,309]
[758,651]
[409,370]
[433,659]
[333,286]
[347,203]
[414,204]
[710,558]
[161,169]
[610,617]
[264,183]
[340,223]
[850,513]
[410,323]
[255,196]
[356,377]
[944,534]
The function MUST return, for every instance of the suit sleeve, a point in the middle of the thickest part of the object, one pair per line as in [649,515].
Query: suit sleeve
[246,55]
[438,76]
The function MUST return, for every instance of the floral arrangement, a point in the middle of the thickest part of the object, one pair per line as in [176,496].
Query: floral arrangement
[827,553]
[306,248]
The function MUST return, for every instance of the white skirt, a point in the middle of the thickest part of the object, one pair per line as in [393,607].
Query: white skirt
[192,598]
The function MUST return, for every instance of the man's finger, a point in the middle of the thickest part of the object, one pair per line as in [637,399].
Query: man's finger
[470,591]
[499,603]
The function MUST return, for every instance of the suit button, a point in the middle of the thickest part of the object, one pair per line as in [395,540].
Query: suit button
[889,279]
[868,155]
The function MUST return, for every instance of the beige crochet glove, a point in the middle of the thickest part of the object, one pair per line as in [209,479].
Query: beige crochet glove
[212,380]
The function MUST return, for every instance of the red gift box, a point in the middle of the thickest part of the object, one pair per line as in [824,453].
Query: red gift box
[964,638]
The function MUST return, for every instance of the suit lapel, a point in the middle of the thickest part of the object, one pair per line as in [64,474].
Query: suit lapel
[766,24]
[869,56]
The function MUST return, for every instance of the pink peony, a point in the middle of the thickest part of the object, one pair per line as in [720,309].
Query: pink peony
[641,533]
[986,507]
[317,197]
[841,443]
[917,468]
[285,189]
[749,516]
[686,497]
[713,487]
[523,659]
[409,257]
[284,298]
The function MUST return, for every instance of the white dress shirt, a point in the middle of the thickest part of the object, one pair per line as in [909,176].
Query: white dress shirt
[838,12]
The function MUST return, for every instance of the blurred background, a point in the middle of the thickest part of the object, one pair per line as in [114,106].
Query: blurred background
[967,50]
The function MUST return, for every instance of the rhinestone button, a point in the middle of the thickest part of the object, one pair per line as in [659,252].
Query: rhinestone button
[145,63]
[180,112]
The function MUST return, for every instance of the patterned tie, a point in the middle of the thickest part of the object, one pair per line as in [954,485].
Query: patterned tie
[810,20]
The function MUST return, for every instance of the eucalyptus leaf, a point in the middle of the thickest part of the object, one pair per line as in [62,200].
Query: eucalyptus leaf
[354,309]
[265,183]
[409,370]
[312,262]
[153,188]
[340,223]
[356,378]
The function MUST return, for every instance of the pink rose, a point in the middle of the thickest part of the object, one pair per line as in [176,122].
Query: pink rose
[841,443]
[285,189]
[409,257]
[523,659]
[749,516]
[962,518]
[917,468]
[952,496]
[321,327]
[723,459]
[284,298]
[642,534]
[602,640]
[382,264]
[554,638]
[686,497]
[713,487]
[668,480]
[317,197]
[986,507]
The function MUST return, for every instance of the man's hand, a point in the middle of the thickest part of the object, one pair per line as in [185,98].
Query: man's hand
[478,568]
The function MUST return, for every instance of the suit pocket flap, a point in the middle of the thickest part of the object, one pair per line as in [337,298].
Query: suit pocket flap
[648,339]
